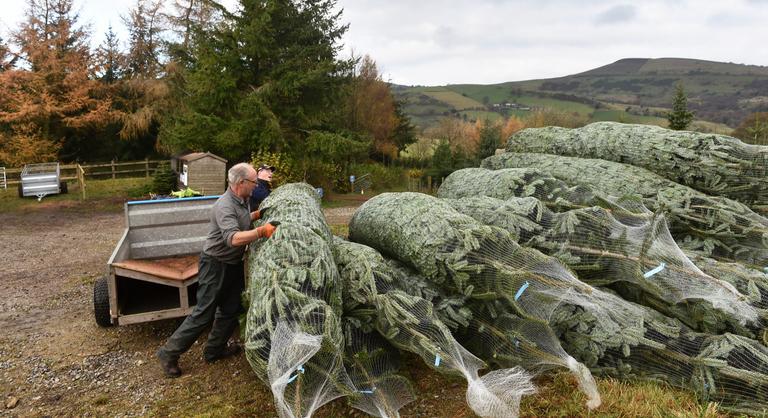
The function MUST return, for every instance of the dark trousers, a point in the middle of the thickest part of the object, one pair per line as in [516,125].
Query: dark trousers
[218,300]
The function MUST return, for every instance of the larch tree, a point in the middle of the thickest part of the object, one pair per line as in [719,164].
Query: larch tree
[7,57]
[144,95]
[188,16]
[49,104]
[372,108]
[463,137]
[511,125]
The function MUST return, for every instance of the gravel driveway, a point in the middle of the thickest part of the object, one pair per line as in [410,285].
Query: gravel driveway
[55,361]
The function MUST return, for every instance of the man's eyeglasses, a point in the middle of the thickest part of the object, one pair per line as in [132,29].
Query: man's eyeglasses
[250,181]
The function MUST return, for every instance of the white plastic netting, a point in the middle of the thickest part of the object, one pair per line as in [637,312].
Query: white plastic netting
[715,225]
[461,256]
[711,163]
[627,248]
[410,323]
[293,334]
[556,262]
[373,366]
[635,255]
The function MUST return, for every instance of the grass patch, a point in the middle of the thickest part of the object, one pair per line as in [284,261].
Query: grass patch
[102,399]
[563,105]
[558,397]
[453,99]
[102,195]
[341,230]
[481,115]
[624,117]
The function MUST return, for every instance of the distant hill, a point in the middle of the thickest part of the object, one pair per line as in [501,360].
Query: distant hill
[633,90]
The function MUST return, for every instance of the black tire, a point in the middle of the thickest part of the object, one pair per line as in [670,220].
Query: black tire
[101,303]
[21,190]
[63,187]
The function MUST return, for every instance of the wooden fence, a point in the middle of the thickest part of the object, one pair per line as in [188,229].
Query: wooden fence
[426,184]
[80,172]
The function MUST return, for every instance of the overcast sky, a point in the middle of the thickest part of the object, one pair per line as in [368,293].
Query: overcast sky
[431,42]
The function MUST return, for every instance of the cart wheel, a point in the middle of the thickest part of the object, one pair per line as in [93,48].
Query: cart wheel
[21,190]
[101,303]
[63,187]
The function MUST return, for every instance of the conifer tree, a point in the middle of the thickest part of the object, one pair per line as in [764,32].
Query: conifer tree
[109,61]
[145,28]
[404,133]
[753,129]
[490,135]
[680,117]
[442,160]
[262,79]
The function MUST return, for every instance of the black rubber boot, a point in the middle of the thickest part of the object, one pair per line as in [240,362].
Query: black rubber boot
[228,351]
[169,364]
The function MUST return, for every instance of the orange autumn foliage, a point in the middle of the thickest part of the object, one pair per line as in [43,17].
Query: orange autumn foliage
[372,108]
[51,97]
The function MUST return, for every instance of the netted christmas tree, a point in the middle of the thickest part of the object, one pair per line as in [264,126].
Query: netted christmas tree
[293,335]
[717,165]
[717,225]
[611,335]
[462,256]
[373,366]
[410,323]
[633,254]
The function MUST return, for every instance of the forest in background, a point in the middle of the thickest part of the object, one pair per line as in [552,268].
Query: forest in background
[192,75]
[265,82]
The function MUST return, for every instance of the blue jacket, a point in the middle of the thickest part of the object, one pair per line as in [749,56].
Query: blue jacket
[259,193]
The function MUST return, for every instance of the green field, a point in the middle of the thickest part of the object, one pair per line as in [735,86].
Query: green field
[481,115]
[100,195]
[722,94]
[453,99]
[494,93]
[562,105]
[624,117]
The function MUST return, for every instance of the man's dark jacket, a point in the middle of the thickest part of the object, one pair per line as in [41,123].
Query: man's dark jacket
[259,193]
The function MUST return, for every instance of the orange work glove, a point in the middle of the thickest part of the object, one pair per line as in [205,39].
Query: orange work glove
[260,214]
[266,231]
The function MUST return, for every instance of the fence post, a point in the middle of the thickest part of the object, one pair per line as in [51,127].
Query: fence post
[146,167]
[113,169]
[429,184]
[81,179]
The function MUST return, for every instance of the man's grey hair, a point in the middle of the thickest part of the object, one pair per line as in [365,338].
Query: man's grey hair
[238,173]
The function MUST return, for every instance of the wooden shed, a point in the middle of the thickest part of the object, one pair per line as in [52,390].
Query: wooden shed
[201,171]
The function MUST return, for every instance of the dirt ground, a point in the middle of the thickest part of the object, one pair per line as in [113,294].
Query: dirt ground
[55,361]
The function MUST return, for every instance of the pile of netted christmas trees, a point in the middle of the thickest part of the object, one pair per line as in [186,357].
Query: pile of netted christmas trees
[536,261]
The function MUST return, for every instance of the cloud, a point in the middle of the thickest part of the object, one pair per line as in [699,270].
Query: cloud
[617,14]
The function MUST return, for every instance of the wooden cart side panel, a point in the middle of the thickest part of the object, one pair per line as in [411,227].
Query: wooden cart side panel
[121,252]
[153,316]
[153,279]
[184,296]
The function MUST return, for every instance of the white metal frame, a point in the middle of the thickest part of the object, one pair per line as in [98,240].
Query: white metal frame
[4,181]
